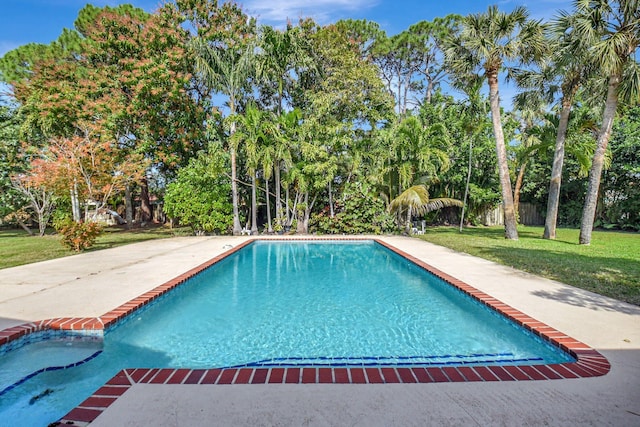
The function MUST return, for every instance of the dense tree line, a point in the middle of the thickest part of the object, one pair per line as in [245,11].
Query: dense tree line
[333,129]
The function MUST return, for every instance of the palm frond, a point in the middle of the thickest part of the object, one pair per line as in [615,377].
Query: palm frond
[435,204]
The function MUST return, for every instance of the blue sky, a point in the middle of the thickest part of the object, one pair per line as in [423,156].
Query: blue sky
[42,21]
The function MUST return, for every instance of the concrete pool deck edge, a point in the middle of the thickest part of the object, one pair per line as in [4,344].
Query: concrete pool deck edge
[590,362]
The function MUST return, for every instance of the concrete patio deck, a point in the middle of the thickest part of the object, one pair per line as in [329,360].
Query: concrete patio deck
[89,285]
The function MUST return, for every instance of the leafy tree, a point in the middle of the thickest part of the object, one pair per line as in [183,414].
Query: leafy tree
[128,78]
[620,200]
[86,166]
[11,163]
[410,62]
[340,94]
[610,30]
[429,67]
[19,64]
[199,195]
[485,42]
[226,65]
[38,193]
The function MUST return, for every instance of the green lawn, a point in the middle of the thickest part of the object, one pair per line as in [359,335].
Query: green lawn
[17,248]
[609,266]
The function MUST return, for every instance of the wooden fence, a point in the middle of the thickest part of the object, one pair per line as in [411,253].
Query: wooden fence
[527,213]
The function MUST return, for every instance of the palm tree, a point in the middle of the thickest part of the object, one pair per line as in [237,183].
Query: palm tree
[251,132]
[415,148]
[267,155]
[415,201]
[282,52]
[472,111]
[485,42]
[286,137]
[565,72]
[569,62]
[610,30]
[227,70]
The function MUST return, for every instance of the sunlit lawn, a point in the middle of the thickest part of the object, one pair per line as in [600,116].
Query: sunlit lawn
[17,248]
[609,266]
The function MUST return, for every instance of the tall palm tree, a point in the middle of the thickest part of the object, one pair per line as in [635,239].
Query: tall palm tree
[267,155]
[281,53]
[570,62]
[485,42]
[562,75]
[227,70]
[415,201]
[286,137]
[610,30]
[251,133]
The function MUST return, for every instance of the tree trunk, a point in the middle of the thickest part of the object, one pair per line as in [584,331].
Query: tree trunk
[42,224]
[145,204]
[406,94]
[75,202]
[429,91]
[128,206]
[254,205]
[303,214]
[510,225]
[553,201]
[517,188]
[24,226]
[286,208]
[591,200]
[407,226]
[300,214]
[279,212]
[400,112]
[331,210]
[466,188]
[266,195]
[237,228]
[44,212]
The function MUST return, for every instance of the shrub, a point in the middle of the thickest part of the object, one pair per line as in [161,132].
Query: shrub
[199,197]
[358,211]
[78,236]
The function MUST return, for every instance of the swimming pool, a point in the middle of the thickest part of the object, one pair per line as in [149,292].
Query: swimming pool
[278,305]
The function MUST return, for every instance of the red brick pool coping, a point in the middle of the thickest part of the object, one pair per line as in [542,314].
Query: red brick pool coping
[589,362]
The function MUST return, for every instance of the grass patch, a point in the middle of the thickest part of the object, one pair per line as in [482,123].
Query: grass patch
[18,248]
[610,266]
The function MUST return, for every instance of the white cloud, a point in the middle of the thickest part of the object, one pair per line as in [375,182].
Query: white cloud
[277,12]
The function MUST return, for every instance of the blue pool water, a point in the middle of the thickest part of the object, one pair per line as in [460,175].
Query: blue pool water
[280,304]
